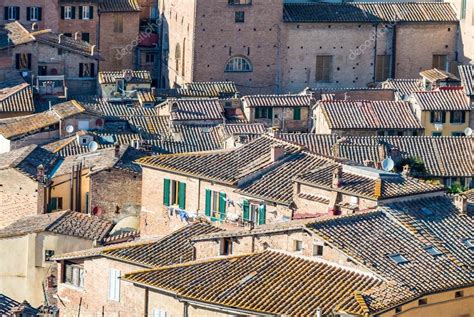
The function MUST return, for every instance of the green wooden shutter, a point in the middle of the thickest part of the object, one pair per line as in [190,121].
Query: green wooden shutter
[222,205]
[207,211]
[297,113]
[246,210]
[166,192]
[451,116]
[262,212]
[182,195]
[463,118]
[443,116]
[432,116]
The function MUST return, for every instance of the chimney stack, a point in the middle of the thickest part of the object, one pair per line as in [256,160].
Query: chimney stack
[40,173]
[378,188]
[277,152]
[60,36]
[117,150]
[337,177]
[76,36]
[406,170]
[460,201]
[92,50]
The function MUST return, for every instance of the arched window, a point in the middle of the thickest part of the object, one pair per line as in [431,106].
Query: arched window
[238,64]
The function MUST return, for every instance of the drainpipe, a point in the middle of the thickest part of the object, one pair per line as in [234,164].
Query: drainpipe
[146,301]
[185,309]
[394,51]
[375,52]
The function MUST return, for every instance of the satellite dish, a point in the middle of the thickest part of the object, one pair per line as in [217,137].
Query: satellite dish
[69,128]
[468,131]
[93,146]
[388,164]
[24,74]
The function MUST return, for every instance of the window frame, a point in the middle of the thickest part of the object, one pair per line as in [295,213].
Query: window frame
[238,64]
[68,13]
[239,2]
[454,115]
[323,70]
[239,17]
[297,245]
[86,9]
[12,13]
[437,58]
[76,280]
[34,14]
[383,67]
[264,113]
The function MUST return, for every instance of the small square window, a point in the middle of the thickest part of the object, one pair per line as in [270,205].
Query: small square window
[459,294]
[317,250]
[48,254]
[239,17]
[422,301]
[298,245]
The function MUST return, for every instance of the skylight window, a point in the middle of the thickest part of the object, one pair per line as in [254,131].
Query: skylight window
[433,251]
[398,258]
[427,212]
[469,243]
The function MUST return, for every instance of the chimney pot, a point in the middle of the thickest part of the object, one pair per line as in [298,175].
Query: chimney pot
[40,173]
[76,36]
[460,201]
[406,170]
[277,152]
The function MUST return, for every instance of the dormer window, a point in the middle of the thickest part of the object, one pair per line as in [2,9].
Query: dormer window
[398,258]
[433,251]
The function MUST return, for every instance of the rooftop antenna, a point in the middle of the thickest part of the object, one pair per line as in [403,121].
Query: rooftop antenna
[388,164]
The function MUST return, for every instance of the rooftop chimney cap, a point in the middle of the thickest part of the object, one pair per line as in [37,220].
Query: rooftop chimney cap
[277,152]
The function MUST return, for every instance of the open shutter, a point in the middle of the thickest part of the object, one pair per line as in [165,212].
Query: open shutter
[431,116]
[29,61]
[451,116]
[91,12]
[222,205]
[262,212]
[62,12]
[40,14]
[463,117]
[207,209]
[28,13]
[443,114]
[182,195]
[246,210]
[166,192]
[17,13]
[92,70]
[73,12]
[17,61]
[80,12]
[5,16]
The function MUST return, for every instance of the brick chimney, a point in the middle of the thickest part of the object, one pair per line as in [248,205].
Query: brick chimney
[337,177]
[406,170]
[277,152]
[76,36]
[382,152]
[460,201]
[40,173]
[92,50]
[117,151]
[378,188]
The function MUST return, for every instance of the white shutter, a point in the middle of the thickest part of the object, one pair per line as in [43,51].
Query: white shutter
[114,285]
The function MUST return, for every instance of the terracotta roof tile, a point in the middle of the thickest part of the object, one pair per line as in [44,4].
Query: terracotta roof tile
[17,97]
[269,282]
[466,72]
[278,101]
[138,76]
[447,100]
[119,6]
[195,109]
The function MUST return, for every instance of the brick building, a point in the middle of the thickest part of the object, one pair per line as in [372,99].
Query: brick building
[201,45]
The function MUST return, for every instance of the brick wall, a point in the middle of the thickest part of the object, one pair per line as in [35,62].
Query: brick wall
[81,26]
[117,193]
[50,16]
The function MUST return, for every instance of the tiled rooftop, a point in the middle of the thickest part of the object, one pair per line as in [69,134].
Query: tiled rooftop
[138,76]
[171,249]
[69,223]
[16,97]
[407,228]
[289,285]
[369,115]
[119,6]
[405,87]
[224,89]
[226,166]
[204,109]
[368,12]
[361,181]
[277,101]
[446,99]
[466,72]
[19,126]
[435,74]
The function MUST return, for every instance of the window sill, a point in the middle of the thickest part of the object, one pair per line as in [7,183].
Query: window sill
[73,287]
[238,71]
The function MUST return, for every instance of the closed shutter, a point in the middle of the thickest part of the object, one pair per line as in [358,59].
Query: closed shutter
[246,210]
[222,205]
[114,284]
[28,13]
[80,12]
[207,209]
[166,192]
[62,12]
[262,212]
[182,195]
[297,113]
[91,12]
[40,14]
[29,61]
